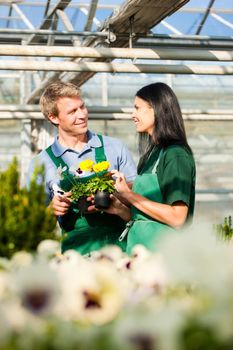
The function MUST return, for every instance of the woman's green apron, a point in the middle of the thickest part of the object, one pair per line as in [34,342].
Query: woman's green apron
[87,232]
[143,229]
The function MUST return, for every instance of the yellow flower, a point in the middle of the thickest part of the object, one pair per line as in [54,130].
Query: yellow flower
[101,166]
[86,165]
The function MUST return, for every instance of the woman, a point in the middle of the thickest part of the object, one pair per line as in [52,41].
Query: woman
[163,194]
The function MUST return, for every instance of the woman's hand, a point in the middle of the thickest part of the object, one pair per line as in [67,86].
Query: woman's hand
[120,182]
[118,208]
[60,203]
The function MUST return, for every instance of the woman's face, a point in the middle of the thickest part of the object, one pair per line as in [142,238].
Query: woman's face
[143,116]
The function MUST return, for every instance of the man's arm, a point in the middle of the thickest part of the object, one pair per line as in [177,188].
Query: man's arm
[127,165]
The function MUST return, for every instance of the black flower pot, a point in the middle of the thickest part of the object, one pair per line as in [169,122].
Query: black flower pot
[102,200]
[82,204]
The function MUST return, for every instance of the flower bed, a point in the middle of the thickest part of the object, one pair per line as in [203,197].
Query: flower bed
[179,298]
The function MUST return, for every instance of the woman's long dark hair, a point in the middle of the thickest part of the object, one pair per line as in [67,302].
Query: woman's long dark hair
[169,125]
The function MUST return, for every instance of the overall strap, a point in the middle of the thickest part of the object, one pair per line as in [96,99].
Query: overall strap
[154,170]
[99,154]
[58,161]
[99,151]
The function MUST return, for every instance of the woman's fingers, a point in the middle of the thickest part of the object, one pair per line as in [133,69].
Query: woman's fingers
[117,175]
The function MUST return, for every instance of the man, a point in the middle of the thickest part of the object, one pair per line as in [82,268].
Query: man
[62,104]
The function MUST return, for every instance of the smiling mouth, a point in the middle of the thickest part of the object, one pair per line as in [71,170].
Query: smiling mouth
[81,124]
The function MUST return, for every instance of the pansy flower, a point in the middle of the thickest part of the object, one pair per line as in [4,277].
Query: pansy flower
[75,170]
[86,165]
[98,167]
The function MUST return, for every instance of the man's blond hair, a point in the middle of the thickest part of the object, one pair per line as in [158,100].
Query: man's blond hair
[51,95]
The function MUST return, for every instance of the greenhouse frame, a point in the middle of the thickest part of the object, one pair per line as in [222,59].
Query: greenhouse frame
[110,50]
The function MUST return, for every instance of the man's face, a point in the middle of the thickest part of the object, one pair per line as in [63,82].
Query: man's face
[72,115]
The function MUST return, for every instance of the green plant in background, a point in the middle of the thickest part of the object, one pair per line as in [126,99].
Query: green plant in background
[24,218]
[225,230]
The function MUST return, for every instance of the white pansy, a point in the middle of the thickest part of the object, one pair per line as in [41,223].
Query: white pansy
[150,272]
[21,258]
[111,253]
[37,287]
[103,299]
[135,330]
[48,248]
[5,264]
[4,284]
[76,171]
[195,256]
[92,293]
[139,252]
[14,316]
[67,261]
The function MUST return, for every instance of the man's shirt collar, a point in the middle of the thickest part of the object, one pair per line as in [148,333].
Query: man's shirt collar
[93,142]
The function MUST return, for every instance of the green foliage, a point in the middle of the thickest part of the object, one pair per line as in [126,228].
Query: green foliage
[24,218]
[198,337]
[96,183]
[225,230]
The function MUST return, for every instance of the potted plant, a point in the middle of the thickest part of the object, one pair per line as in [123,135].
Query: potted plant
[91,179]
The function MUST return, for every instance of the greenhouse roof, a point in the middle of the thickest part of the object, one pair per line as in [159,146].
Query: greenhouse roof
[187,33]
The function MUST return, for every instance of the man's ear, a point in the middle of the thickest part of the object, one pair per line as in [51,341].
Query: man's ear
[53,119]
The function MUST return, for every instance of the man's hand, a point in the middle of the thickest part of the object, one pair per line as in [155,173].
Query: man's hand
[61,204]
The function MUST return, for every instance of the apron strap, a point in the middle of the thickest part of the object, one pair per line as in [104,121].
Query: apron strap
[99,151]
[99,155]
[58,161]
[154,170]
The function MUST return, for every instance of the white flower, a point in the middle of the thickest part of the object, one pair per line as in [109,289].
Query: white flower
[140,252]
[21,258]
[197,258]
[150,273]
[111,253]
[37,287]
[5,264]
[75,170]
[92,294]
[4,284]
[150,326]
[103,299]
[48,248]
[13,317]
[60,171]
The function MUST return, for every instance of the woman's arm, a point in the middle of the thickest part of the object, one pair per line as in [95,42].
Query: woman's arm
[173,215]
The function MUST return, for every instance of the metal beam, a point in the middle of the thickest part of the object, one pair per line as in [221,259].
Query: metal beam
[222,20]
[171,28]
[14,36]
[61,5]
[205,16]
[97,67]
[146,14]
[91,14]
[123,53]
[68,25]
[20,112]
[22,16]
